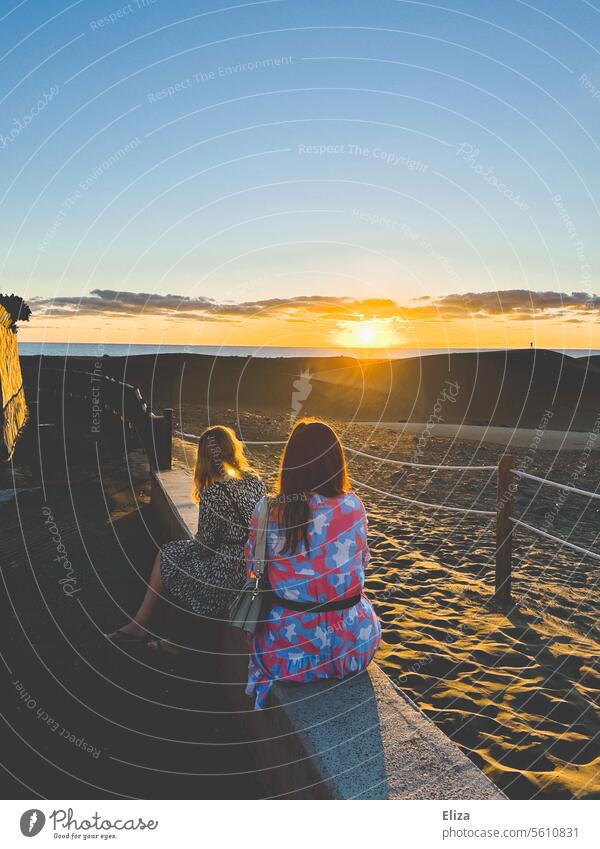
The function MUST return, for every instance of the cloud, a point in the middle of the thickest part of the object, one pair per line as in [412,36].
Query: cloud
[109,301]
[513,304]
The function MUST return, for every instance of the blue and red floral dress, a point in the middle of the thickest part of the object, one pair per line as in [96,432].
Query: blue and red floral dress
[305,646]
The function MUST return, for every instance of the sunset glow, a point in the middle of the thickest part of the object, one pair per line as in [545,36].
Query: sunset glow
[374,333]
[361,324]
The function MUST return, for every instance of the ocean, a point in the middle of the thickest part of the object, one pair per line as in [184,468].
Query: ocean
[80,349]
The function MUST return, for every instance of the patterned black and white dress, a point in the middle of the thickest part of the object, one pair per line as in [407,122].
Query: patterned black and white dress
[204,574]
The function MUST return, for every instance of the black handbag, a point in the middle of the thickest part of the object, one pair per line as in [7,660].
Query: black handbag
[251,605]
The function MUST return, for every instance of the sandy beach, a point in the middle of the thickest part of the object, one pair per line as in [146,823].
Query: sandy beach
[518,693]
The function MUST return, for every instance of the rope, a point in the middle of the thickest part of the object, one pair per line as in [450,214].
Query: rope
[556,484]
[362,454]
[420,465]
[424,503]
[265,442]
[246,442]
[555,539]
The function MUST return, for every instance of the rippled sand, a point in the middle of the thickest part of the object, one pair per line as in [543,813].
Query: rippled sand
[519,693]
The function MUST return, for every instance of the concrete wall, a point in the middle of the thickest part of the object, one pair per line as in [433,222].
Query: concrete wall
[356,738]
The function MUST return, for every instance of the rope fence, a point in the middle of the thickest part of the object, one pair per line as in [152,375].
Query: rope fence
[424,503]
[390,460]
[127,403]
[559,540]
[420,465]
[563,486]
[506,522]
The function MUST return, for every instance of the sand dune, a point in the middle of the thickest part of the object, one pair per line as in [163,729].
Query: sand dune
[497,388]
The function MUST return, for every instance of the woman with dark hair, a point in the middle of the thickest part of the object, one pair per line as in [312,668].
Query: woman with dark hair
[205,574]
[319,625]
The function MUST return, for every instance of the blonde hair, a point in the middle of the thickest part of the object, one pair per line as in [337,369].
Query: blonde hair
[220,455]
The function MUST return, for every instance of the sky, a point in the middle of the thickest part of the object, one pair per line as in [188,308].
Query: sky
[295,172]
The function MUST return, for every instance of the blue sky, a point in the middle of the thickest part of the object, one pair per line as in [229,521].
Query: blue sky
[374,149]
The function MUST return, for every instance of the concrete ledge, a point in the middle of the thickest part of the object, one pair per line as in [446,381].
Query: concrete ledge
[356,738]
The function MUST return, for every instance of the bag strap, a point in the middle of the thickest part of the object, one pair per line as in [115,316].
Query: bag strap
[260,547]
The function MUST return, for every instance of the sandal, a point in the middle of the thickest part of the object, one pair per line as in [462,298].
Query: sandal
[123,636]
[165,647]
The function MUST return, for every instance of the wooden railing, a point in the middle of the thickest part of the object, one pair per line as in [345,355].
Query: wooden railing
[121,401]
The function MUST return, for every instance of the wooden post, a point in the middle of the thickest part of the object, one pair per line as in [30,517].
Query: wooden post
[504,531]
[166,440]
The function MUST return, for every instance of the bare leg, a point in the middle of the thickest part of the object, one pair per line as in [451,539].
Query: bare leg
[136,629]
[152,596]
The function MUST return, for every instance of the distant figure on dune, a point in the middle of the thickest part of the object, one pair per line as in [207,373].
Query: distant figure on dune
[320,625]
[204,574]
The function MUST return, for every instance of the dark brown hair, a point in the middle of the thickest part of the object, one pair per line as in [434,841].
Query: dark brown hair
[313,460]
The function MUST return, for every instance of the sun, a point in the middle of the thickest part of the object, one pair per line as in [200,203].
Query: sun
[368,333]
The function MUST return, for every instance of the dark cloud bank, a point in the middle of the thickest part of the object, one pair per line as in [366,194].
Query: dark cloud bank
[515,304]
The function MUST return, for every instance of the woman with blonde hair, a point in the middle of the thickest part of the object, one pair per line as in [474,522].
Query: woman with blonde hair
[320,624]
[205,574]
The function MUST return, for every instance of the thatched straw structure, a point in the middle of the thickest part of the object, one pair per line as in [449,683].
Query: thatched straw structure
[12,396]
